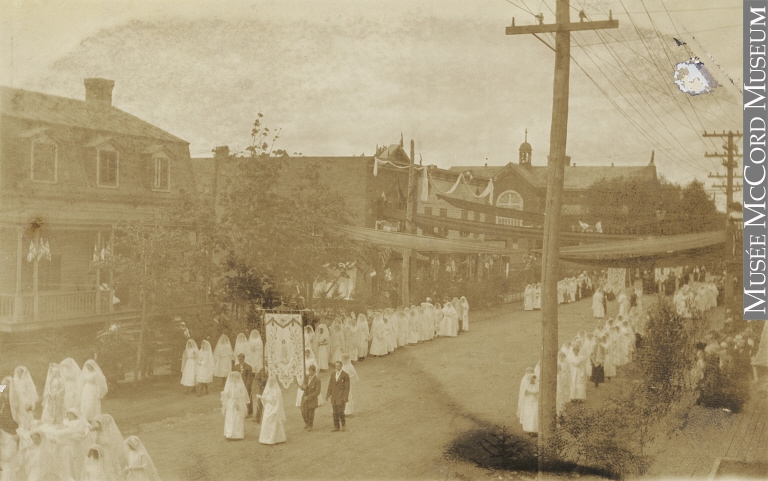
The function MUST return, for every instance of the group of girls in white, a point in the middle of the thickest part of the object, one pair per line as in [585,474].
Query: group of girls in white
[588,357]
[570,289]
[73,440]
[348,340]
[701,296]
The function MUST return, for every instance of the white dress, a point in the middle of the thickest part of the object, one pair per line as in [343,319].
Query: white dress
[578,377]
[234,419]
[90,402]
[528,304]
[188,372]
[136,460]
[529,417]
[598,310]
[273,421]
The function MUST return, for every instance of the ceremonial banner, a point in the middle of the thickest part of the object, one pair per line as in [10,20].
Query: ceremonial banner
[616,280]
[285,355]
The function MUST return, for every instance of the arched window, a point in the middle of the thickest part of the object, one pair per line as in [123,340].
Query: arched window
[510,200]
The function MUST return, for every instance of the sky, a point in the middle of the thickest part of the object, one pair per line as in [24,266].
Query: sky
[341,77]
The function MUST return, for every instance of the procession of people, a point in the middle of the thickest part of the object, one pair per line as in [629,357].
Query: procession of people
[73,440]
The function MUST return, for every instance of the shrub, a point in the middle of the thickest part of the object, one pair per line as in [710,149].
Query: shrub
[494,448]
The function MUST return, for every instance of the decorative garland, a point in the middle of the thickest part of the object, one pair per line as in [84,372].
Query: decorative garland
[487,192]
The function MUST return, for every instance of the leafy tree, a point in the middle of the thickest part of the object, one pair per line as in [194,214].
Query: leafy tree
[279,218]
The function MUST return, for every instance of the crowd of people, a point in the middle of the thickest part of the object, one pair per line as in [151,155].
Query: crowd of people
[570,289]
[701,296]
[72,440]
[244,373]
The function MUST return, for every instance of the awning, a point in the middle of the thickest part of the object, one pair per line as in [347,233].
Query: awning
[677,249]
[498,230]
[399,240]
[492,210]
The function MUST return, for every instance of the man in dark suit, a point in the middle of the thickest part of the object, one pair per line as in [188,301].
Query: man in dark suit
[309,399]
[338,393]
[247,374]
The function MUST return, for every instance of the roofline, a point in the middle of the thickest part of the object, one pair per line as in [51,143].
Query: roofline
[110,132]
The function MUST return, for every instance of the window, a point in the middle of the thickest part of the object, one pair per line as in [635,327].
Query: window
[464,216]
[44,161]
[162,174]
[107,168]
[509,200]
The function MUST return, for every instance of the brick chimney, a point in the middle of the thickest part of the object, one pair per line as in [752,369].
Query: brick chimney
[99,90]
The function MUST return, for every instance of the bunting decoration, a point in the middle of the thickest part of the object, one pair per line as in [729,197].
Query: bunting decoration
[95,253]
[39,251]
[284,348]
[377,161]
[488,192]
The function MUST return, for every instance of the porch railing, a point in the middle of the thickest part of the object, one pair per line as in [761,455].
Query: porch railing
[52,305]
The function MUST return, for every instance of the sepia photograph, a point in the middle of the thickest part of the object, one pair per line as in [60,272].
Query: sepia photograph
[383,240]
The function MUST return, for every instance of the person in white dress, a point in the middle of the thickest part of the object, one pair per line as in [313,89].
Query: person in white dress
[224,357]
[241,345]
[92,386]
[310,340]
[71,372]
[23,397]
[273,422]
[413,325]
[623,301]
[389,330]
[450,320]
[254,356]
[363,334]
[189,366]
[578,374]
[53,396]
[337,340]
[350,334]
[529,412]
[563,383]
[378,336]
[323,346]
[528,298]
[37,461]
[609,361]
[205,366]
[71,442]
[537,296]
[107,435]
[346,366]
[140,466]
[95,468]
[457,309]
[9,458]
[598,311]
[465,313]
[234,406]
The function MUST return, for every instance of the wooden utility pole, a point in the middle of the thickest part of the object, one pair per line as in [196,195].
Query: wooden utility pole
[731,151]
[557,158]
[410,227]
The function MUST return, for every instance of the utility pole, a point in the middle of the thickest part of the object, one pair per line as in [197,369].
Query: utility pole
[557,158]
[731,151]
[220,154]
[410,227]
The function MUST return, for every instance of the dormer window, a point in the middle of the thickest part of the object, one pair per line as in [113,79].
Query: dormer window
[162,180]
[44,161]
[107,167]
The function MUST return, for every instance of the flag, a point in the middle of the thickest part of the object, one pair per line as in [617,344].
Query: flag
[584,226]
[599,227]
[95,253]
[32,252]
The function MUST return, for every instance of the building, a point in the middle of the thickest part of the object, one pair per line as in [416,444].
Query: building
[69,171]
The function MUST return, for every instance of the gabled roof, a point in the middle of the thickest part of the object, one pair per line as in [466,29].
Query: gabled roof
[52,109]
[394,153]
[576,178]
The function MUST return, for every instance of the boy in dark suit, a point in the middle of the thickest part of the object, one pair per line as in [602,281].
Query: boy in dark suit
[338,393]
[309,400]
[246,372]
[257,388]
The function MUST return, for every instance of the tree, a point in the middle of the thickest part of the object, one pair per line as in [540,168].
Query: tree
[279,218]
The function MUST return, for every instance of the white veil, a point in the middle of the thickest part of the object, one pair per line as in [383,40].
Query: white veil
[235,390]
[273,388]
[23,393]
[346,366]
[111,440]
[241,345]
[138,446]
[521,395]
[101,381]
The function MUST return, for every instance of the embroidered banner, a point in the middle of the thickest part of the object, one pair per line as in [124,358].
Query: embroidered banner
[285,354]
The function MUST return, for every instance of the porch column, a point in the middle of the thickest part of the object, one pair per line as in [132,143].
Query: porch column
[111,306]
[98,272]
[35,280]
[18,305]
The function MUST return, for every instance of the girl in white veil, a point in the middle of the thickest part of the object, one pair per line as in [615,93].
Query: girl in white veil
[273,421]
[189,365]
[53,396]
[254,356]
[378,336]
[71,372]
[402,328]
[107,435]
[24,397]
[346,366]
[92,386]
[390,335]
[323,346]
[241,345]
[350,334]
[205,365]
[95,467]
[337,340]
[223,357]
[465,313]
[413,326]
[8,445]
[362,336]
[36,459]
[234,406]
[140,466]
[310,340]
[521,393]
